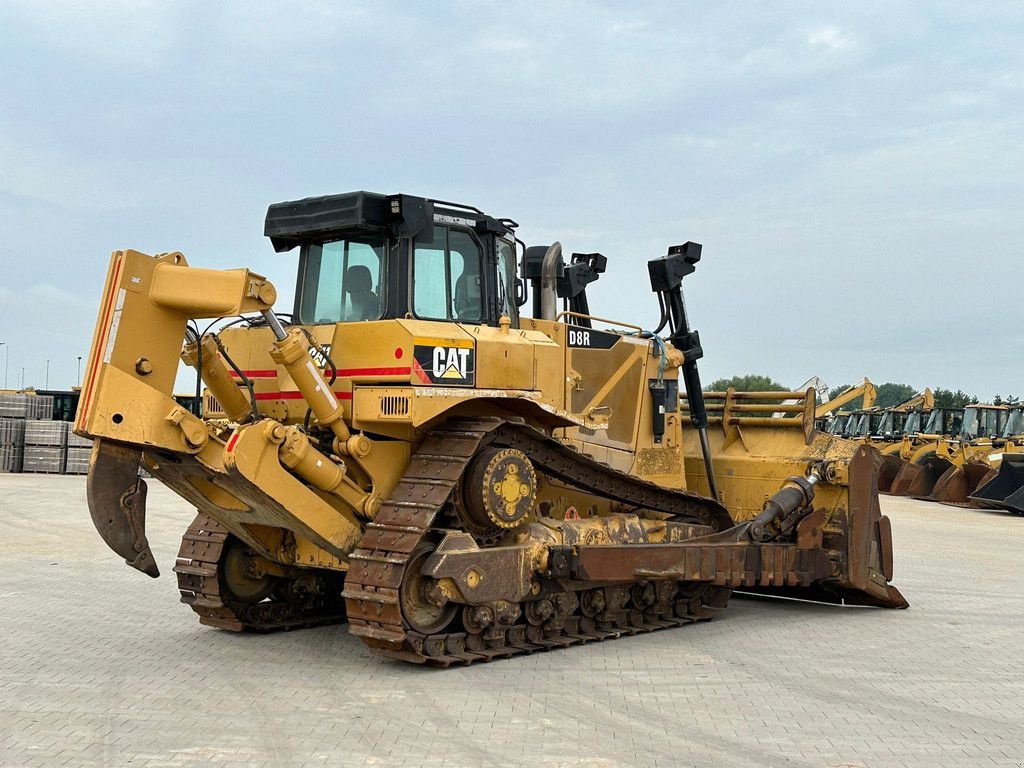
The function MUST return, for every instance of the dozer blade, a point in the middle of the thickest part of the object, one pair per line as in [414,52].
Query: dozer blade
[858,542]
[868,570]
[1006,489]
[117,503]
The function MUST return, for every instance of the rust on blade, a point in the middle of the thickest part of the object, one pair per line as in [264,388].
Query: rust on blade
[869,540]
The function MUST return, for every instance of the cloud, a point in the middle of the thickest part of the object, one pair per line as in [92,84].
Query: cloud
[137,33]
[829,37]
[844,173]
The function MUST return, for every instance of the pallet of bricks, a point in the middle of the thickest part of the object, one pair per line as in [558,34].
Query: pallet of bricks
[12,443]
[79,449]
[46,446]
[20,417]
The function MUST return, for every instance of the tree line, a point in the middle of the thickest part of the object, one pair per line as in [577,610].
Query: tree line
[888,394]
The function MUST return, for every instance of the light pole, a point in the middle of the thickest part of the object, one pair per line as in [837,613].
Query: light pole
[47,380]
[7,348]
[22,387]
[79,370]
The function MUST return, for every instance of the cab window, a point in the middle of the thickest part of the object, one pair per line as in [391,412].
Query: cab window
[446,277]
[507,281]
[341,280]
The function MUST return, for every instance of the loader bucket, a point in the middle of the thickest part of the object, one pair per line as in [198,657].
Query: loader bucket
[891,466]
[117,503]
[1006,489]
[919,479]
[957,483]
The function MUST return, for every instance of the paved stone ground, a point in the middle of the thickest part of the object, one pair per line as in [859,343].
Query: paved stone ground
[100,666]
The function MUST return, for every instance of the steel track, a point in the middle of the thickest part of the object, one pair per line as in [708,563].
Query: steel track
[202,588]
[377,566]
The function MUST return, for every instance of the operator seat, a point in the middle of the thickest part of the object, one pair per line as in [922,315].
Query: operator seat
[359,287]
[467,297]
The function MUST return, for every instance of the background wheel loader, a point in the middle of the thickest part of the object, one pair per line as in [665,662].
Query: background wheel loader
[1003,487]
[949,467]
[406,451]
[826,416]
[891,431]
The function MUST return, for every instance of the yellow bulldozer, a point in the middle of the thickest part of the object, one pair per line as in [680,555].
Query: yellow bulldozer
[406,451]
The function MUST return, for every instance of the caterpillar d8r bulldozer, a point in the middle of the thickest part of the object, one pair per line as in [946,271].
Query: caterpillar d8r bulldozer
[406,452]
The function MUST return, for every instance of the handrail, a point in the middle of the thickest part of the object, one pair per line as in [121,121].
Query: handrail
[567,313]
[732,408]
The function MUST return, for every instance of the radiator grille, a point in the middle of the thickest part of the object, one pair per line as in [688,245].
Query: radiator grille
[212,406]
[394,406]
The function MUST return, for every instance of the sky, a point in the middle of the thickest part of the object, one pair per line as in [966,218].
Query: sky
[853,171]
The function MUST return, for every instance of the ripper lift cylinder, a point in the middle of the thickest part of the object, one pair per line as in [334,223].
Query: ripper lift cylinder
[667,275]
[217,378]
[292,351]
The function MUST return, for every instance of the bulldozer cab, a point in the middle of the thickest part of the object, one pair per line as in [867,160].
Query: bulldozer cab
[365,256]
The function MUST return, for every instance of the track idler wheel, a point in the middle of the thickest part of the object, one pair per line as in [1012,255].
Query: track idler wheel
[241,575]
[424,608]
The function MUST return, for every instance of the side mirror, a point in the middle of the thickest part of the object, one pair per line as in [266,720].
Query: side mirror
[519,291]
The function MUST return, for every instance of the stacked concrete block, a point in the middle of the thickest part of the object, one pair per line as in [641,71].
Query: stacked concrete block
[79,449]
[12,444]
[19,406]
[46,445]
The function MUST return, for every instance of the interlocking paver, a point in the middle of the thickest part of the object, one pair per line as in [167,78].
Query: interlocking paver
[100,666]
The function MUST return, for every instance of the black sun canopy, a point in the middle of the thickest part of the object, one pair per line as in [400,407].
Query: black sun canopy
[354,213]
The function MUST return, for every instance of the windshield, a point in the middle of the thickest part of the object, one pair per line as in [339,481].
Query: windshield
[507,281]
[341,281]
[953,422]
[971,425]
[913,423]
[981,422]
[1014,424]
[885,426]
[899,421]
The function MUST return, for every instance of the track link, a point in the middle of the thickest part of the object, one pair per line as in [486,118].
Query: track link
[199,580]
[378,565]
